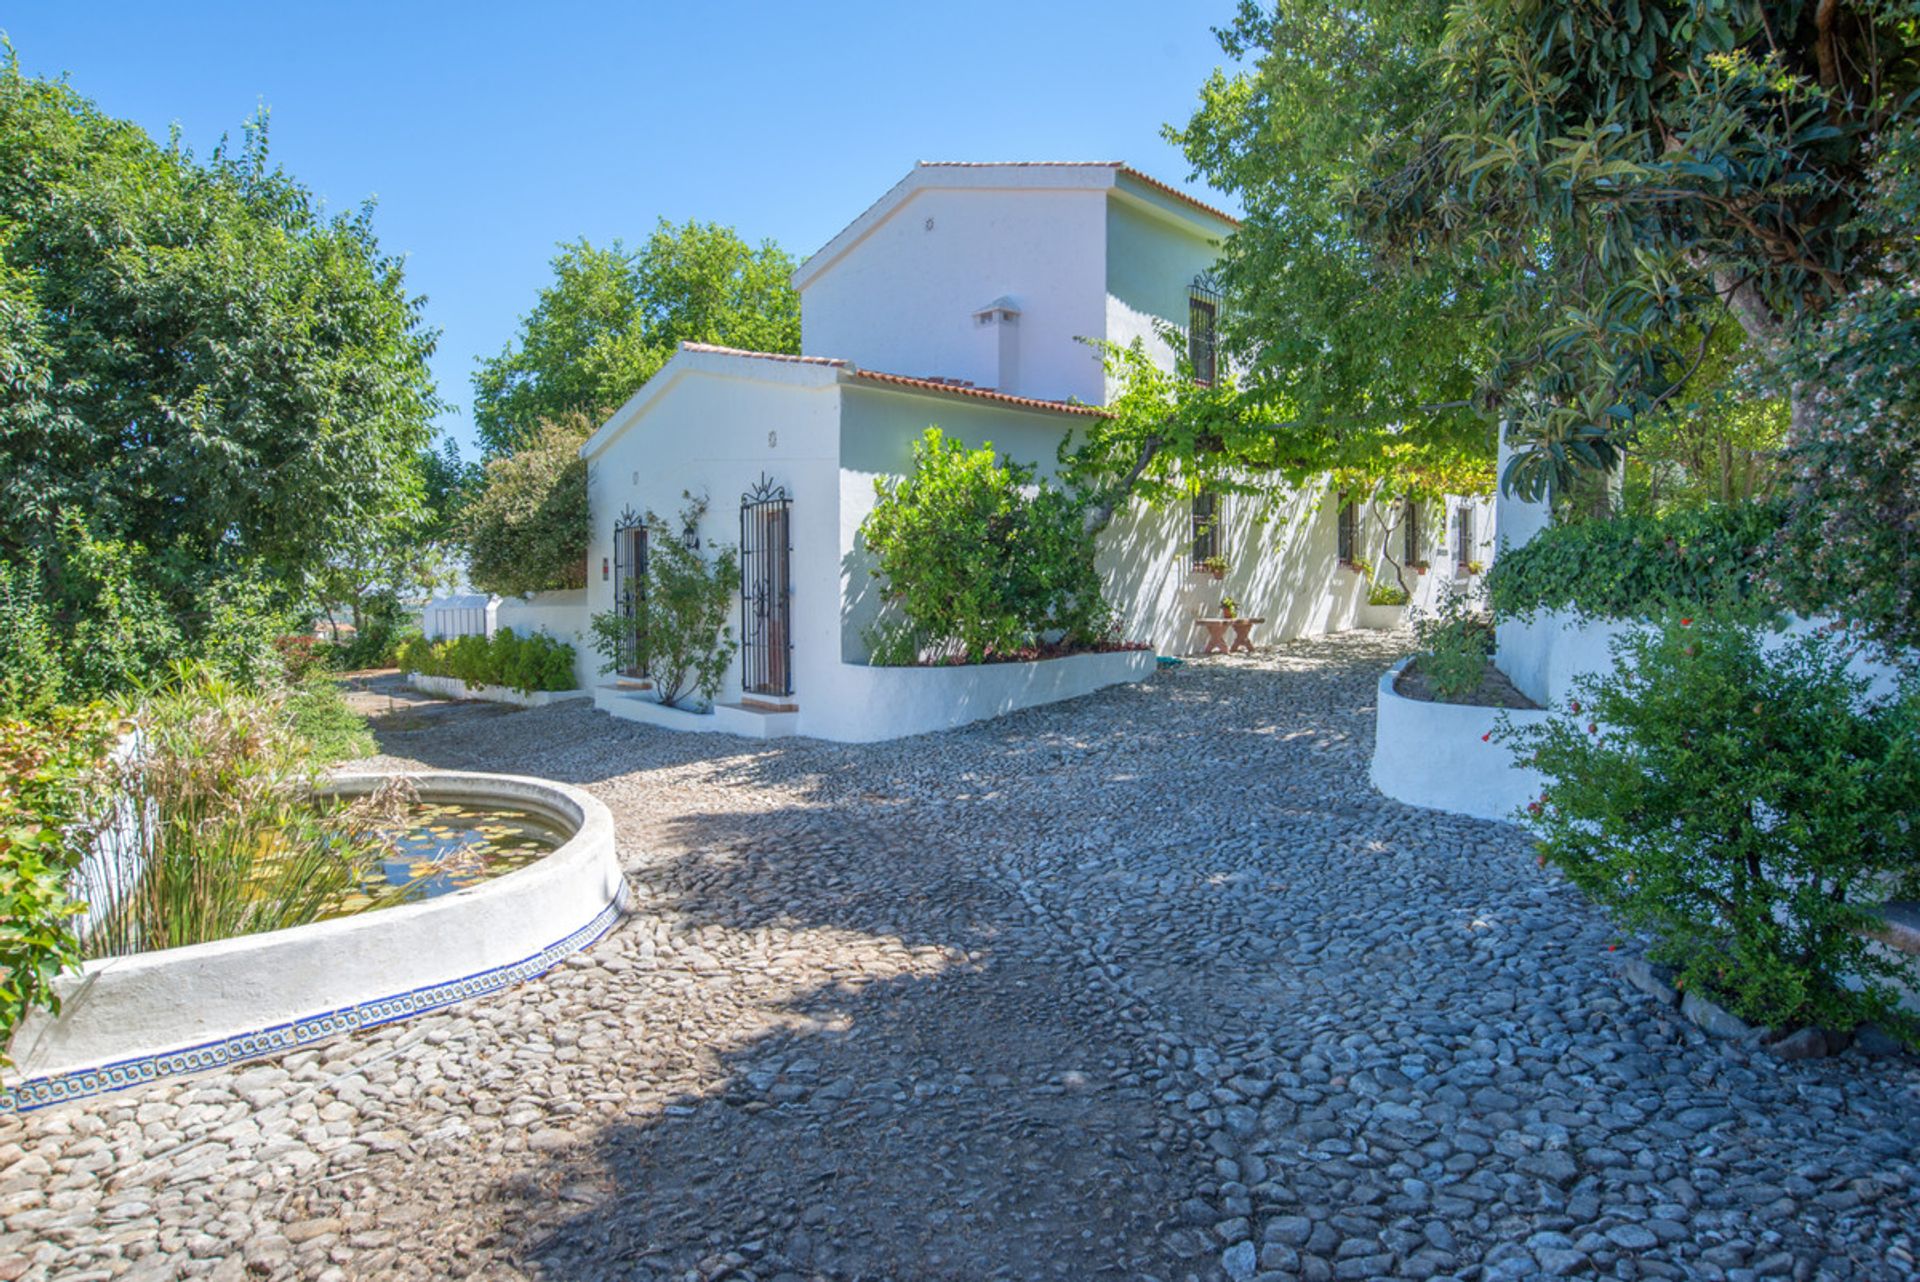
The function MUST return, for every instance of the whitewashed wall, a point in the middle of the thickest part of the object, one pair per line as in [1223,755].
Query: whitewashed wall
[902,298]
[1283,566]
[715,426]
[1152,260]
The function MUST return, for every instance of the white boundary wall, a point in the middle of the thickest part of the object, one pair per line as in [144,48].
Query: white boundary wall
[876,703]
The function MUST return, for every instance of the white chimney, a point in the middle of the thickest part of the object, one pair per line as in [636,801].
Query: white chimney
[1000,323]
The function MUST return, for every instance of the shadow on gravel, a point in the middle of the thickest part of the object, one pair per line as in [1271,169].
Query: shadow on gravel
[952,1101]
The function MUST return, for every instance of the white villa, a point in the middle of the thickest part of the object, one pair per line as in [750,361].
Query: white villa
[958,299]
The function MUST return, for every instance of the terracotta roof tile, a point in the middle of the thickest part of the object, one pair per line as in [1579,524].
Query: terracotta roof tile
[950,386]
[958,389]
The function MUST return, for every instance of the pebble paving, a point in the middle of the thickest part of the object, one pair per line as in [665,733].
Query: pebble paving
[1150,985]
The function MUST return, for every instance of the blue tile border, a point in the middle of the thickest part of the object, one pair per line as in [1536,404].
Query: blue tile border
[61,1088]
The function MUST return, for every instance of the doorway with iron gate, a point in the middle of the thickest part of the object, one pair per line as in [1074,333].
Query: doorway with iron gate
[766,590]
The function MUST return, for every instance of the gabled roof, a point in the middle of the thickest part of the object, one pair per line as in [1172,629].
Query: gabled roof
[806,371]
[1038,175]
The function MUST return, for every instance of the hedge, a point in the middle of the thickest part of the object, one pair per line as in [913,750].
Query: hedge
[523,663]
[1707,561]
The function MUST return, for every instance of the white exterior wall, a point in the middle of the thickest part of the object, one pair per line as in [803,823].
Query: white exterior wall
[1152,260]
[877,433]
[1283,566]
[714,431]
[901,299]
[562,616]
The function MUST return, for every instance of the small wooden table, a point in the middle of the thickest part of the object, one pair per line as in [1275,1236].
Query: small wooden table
[1241,630]
[1217,642]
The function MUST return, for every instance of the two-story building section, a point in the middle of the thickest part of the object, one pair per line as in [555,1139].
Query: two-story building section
[961,299]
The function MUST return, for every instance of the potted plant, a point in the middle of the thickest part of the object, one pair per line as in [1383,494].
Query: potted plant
[1229,608]
[1215,565]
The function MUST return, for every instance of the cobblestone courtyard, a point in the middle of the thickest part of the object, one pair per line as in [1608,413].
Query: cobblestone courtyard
[1148,985]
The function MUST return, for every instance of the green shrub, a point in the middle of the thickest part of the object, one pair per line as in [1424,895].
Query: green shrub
[331,730]
[50,794]
[1702,561]
[32,675]
[981,558]
[527,663]
[1455,645]
[679,636]
[1387,594]
[1746,807]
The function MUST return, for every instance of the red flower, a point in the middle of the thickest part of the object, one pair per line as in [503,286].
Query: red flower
[1592,728]
[1686,623]
[1485,737]
[1576,705]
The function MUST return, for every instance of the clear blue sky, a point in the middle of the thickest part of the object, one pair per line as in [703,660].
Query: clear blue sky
[490,132]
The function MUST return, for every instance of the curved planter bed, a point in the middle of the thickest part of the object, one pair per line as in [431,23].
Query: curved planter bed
[128,1020]
[1432,755]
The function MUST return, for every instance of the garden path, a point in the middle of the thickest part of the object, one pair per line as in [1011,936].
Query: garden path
[1150,984]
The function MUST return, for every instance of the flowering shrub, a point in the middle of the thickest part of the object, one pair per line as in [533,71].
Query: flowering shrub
[1704,560]
[1745,806]
[524,663]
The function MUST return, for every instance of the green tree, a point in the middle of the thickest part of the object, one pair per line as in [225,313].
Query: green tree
[526,529]
[611,318]
[195,360]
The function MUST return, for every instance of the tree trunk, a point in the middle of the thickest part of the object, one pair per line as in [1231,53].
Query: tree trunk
[1100,513]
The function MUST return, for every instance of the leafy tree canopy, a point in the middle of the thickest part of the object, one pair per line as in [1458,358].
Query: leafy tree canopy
[611,318]
[194,357]
[1549,207]
[526,527]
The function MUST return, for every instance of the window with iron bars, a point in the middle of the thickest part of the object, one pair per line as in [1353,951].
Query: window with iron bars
[1203,332]
[1463,539]
[1348,536]
[1206,527]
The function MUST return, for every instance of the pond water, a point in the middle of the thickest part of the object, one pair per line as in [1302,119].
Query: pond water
[446,847]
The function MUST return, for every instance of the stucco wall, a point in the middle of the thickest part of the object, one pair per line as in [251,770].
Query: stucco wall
[877,433]
[1283,566]
[902,299]
[1151,263]
[716,434]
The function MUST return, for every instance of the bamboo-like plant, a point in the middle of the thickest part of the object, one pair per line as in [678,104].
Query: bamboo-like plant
[221,834]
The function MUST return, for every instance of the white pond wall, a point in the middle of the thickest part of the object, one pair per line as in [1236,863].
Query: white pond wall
[128,1020]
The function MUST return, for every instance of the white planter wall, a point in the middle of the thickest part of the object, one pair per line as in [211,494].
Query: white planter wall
[1434,755]
[455,688]
[875,703]
[1546,654]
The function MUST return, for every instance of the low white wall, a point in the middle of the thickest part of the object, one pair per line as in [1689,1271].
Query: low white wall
[127,1020]
[1434,755]
[630,704]
[1544,655]
[562,616]
[455,688]
[873,703]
